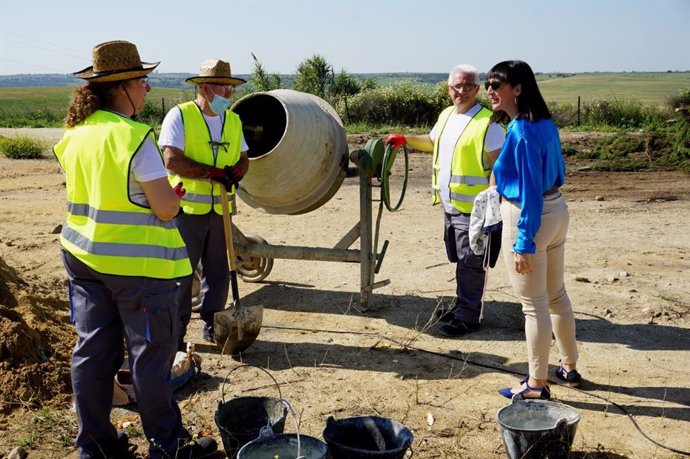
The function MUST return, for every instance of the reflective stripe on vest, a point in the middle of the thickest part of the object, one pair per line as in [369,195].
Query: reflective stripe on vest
[203,194]
[468,176]
[104,229]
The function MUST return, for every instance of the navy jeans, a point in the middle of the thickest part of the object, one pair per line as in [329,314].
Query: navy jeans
[469,270]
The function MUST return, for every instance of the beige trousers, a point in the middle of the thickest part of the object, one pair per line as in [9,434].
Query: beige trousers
[545,302]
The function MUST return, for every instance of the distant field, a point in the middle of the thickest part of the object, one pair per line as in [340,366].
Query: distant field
[652,89]
[52,98]
[649,88]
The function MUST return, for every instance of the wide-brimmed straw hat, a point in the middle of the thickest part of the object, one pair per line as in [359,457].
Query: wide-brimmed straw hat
[115,61]
[215,71]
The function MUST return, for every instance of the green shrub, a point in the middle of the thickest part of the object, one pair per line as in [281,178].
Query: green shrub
[623,114]
[681,145]
[21,147]
[403,103]
[681,100]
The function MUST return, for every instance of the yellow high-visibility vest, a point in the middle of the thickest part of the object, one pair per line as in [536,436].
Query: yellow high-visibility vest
[468,174]
[104,229]
[203,194]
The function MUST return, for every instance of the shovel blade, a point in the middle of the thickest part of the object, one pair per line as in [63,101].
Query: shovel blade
[237,327]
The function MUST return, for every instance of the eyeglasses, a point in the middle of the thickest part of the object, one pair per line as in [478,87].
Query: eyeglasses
[463,87]
[142,80]
[215,144]
[222,87]
[495,85]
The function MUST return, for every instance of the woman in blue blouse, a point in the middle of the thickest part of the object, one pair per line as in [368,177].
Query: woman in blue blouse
[528,174]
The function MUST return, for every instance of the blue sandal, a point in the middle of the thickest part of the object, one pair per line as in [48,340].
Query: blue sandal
[544,393]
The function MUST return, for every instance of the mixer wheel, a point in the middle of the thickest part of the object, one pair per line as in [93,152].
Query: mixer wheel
[254,269]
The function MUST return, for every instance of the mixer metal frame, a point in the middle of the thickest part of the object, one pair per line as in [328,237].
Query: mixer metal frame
[255,253]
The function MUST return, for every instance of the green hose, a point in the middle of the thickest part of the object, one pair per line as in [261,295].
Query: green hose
[386,165]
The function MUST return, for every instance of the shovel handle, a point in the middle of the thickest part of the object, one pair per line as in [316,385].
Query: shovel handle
[227,228]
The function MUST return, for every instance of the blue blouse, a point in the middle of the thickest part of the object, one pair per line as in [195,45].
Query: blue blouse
[530,163]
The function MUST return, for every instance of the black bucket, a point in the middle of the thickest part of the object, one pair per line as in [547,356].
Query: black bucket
[537,429]
[241,419]
[367,437]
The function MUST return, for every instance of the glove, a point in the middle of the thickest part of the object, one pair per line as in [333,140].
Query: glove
[179,191]
[396,141]
[234,174]
[218,175]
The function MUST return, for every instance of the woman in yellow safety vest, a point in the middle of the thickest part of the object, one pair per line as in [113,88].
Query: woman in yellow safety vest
[124,257]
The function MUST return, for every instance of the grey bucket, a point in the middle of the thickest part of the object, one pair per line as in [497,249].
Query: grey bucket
[537,429]
[288,446]
[242,419]
[285,446]
[367,437]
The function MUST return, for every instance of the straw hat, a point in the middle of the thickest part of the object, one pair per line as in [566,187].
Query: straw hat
[115,61]
[215,71]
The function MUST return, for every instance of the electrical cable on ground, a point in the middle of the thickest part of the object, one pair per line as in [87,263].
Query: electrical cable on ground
[491,367]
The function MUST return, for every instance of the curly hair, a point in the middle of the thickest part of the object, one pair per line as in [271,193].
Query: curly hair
[87,99]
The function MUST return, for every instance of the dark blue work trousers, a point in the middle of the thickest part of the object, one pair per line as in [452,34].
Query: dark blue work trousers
[469,269]
[205,240]
[108,313]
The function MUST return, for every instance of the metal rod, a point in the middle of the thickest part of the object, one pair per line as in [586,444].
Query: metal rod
[366,257]
[298,252]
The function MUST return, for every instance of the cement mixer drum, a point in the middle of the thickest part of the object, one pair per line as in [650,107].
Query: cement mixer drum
[297,150]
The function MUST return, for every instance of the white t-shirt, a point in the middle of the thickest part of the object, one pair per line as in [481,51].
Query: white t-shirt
[172,130]
[147,165]
[457,122]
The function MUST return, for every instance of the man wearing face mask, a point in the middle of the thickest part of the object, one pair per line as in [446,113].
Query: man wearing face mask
[203,145]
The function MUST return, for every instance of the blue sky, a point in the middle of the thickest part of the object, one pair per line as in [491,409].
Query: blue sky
[360,36]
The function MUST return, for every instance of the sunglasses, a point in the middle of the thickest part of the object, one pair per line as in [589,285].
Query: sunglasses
[493,85]
[223,145]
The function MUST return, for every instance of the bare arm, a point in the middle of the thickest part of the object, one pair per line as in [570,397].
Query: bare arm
[243,162]
[177,162]
[420,142]
[164,202]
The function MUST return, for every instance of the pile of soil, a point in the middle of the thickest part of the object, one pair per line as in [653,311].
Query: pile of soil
[36,340]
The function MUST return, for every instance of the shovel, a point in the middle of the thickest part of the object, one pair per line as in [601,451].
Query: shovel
[235,328]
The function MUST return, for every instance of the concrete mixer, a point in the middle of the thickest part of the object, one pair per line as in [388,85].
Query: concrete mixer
[298,160]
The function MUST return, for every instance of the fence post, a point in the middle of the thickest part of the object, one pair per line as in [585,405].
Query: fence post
[578,111]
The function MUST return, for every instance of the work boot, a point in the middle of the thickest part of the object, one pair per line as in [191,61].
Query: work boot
[203,447]
[207,333]
[458,328]
[445,314]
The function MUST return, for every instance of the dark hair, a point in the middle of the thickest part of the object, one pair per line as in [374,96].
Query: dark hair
[530,103]
[87,99]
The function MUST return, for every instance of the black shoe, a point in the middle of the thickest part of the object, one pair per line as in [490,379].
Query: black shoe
[458,328]
[207,334]
[444,314]
[199,448]
[123,450]
[570,378]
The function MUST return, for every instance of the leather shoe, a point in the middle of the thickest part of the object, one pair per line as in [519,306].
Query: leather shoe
[198,448]
[570,378]
[444,314]
[458,328]
[207,334]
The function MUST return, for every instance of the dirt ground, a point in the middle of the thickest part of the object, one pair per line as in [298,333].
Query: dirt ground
[627,265]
